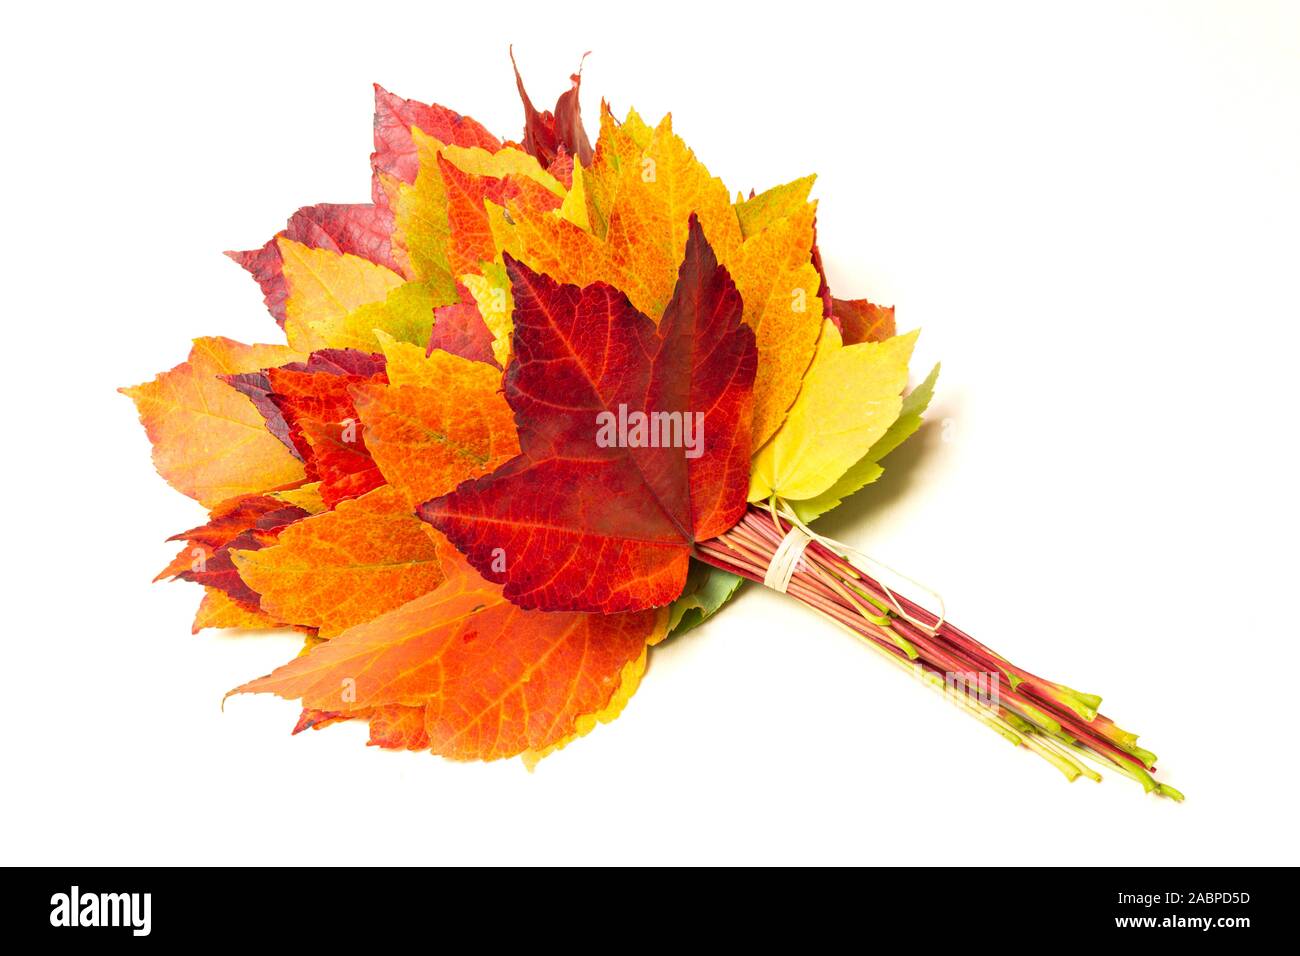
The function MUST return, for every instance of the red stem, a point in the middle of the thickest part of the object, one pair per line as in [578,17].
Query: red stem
[747,550]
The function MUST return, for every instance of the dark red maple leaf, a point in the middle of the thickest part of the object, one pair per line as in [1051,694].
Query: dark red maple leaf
[248,523]
[546,132]
[828,310]
[579,523]
[251,513]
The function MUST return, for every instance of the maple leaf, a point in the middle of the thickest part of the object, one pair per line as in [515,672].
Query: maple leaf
[547,134]
[618,149]
[208,440]
[587,527]
[645,229]
[439,420]
[422,225]
[774,272]
[469,241]
[469,675]
[639,198]
[346,566]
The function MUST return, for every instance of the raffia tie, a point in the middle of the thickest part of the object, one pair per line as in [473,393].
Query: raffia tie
[786,558]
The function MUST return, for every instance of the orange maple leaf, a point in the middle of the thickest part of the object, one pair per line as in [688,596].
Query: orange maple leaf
[490,679]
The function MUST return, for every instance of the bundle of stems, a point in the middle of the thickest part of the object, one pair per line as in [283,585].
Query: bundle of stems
[1056,722]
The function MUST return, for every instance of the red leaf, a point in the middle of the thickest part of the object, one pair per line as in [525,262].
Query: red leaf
[340,362]
[863,321]
[545,132]
[253,513]
[359,229]
[395,153]
[257,387]
[828,309]
[460,330]
[218,571]
[562,167]
[312,403]
[578,523]
[248,523]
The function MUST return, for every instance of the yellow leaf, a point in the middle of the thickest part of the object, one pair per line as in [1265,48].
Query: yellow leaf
[406,315]
[850,397]
[404,363]
[619,147]
[421,227]
[574,207]
[209,441]
[495,301]
[649,219]
[325,287]
[218,609]
[778,284]
[504,162]
[307,497]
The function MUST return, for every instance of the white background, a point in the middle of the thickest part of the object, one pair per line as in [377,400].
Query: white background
[1091,212]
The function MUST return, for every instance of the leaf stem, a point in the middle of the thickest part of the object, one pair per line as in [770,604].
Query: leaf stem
[1056,722]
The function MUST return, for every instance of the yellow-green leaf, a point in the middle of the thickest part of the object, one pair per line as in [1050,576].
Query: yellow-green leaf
[324,287]
[767,207]
[405,314]
[850,397]
[504,162]
[867,469]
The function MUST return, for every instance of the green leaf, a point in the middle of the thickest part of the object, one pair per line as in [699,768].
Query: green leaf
[761,211]
[707,589]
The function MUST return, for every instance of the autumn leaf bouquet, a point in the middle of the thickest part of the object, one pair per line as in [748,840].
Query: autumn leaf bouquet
[540,406]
